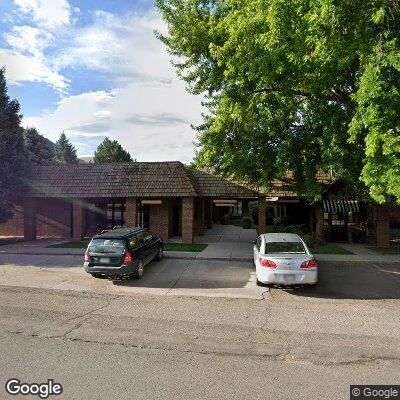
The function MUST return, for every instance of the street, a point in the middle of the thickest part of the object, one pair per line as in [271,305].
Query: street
[299,343]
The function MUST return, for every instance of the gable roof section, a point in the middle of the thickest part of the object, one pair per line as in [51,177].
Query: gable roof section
[137,179]
[214,186]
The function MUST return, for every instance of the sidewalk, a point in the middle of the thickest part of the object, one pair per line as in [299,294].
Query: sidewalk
[214,251]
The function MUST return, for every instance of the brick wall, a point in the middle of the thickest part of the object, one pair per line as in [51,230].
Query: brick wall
[160,220]
[15,225]
[131,212]
[187,219]
[53,219]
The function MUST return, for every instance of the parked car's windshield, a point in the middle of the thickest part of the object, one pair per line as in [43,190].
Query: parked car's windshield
[284,247]
[115,246]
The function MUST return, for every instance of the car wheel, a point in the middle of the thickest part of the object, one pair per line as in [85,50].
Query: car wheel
[160,254]
[259,283]
[140,270]
[313,285]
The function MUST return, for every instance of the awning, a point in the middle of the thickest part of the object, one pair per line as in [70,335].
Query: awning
[334,206]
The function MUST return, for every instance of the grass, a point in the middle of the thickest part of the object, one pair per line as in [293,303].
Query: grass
[10,240]
[195,247]
[393,249]
[72,245]
[329,249]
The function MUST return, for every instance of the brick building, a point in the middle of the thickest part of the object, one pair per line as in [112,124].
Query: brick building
[80,200]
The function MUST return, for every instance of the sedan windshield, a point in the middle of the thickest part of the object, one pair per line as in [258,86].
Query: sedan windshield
[284,247]
[115,246]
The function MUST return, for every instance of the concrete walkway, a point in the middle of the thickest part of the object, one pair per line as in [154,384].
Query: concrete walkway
[227,243]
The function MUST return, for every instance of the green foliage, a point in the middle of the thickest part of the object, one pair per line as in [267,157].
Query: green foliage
[110,151]
[12,153]
[40,150]
[301,85]
[247,222]
[65,152]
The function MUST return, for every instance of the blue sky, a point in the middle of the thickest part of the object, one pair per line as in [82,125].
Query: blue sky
[93,68]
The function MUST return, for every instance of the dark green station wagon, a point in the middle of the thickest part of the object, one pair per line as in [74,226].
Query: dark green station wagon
[122,252]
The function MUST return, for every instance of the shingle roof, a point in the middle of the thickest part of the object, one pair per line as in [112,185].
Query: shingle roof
[211,185]
[137,179]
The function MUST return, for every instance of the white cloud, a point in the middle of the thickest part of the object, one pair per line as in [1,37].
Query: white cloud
[152,123]
[27,39]
[20,67]
[148,110]
[48,14]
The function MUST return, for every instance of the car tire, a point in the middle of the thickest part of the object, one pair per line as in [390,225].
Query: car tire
[313,285]
[139,270]
[160,254]
[259,283]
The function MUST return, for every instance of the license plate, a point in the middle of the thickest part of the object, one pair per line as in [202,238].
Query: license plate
[104,260]
[289,278]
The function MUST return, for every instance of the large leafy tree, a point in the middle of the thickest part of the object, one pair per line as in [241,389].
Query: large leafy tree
[65,152]
[299,85]
[12,153]
[40,149]
[110,151]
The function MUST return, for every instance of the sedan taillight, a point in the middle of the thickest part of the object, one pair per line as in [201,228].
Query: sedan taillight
[87,257]
[264,262]
[309,264]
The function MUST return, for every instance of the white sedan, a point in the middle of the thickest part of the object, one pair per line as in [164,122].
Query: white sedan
[284,259]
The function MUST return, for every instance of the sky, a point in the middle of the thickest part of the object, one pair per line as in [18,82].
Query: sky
[94,68]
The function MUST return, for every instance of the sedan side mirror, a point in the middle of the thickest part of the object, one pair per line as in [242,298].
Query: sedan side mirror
[253,242]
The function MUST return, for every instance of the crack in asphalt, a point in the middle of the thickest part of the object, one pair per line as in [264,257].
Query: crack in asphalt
[287,356]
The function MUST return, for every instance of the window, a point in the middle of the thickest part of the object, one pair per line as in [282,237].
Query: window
[258,243]
[115,246]
[115,215]
[284,247]
[147,235]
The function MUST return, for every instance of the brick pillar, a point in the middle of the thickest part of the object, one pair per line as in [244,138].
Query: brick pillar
[319,225]
[209,210]
[159,219]
[30,232]
[382,231]
[201,216]
[78,219]
[245,208]
[131,212]
[262,206]
[187,219]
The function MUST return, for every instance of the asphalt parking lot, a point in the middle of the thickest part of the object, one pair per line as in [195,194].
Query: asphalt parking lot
[210,278]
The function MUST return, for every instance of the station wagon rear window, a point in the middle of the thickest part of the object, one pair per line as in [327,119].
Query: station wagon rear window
[284,247]
[114,246]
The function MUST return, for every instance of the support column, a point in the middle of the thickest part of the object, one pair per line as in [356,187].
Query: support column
[30,231]
[131,212]
[201,216]
[382,231]
[78,218]
[187,219]
[319,225]
[262,206]
[208,212]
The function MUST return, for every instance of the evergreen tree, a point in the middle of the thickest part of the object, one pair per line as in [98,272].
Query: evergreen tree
[65,152]
[12,154]
[110,151]
[40,149]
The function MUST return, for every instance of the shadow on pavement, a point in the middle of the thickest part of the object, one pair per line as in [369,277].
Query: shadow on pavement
[350,280]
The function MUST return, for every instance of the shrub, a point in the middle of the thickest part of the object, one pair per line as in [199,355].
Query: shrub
[309,240]
[246,222]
